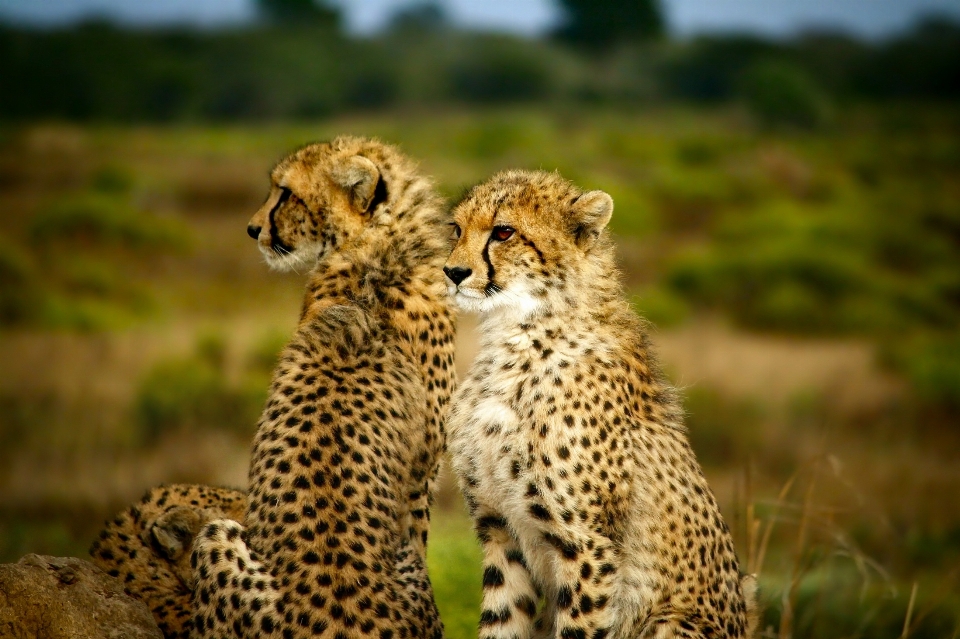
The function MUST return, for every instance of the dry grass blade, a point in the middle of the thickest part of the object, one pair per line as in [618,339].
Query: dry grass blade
[798,571]
[757,554]
[941,594]
[906,619]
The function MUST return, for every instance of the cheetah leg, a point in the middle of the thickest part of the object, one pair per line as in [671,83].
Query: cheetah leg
[411,568]
[234,594]
[584,566]
[417,589]
[509,594]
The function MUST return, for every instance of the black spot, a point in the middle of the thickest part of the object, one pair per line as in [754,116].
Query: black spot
[540,512]
[492,577]
[487,523]
[526,605]
[267,624]
[491,618]
[344,592]
[568,549]
[586,604]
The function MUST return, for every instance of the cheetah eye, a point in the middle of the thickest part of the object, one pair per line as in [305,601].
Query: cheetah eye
[502,233]
[456,230]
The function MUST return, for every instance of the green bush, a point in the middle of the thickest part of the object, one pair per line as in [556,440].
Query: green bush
[99,219]
[699,151]
[76,292]
[500,70]
[489,139]
[661,307]
[786,286]
[80,239]
[780,93]
[931,362]
[265,354]
[193,393]
[723,431]
[634,213]
[86,276]
[22,535]
[690,200]
[20,297]
[78,313]
[112,179]
[812,269]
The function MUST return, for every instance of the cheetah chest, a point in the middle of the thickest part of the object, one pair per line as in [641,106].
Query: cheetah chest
[486,446]
[491,451]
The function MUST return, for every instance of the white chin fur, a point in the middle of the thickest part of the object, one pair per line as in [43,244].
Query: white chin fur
[299,260]
[504,301]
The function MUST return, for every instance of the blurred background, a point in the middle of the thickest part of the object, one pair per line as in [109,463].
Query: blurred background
[787,186]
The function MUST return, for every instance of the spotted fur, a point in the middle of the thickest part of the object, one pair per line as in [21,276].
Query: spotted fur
[333,542]
[594,515]
[147,547]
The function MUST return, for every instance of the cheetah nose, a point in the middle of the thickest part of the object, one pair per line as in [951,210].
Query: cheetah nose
[253,231]
[457,274]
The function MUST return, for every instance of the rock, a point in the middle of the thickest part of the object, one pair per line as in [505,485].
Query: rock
[68,598]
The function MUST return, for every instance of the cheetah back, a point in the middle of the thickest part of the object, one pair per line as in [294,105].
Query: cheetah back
[350,439]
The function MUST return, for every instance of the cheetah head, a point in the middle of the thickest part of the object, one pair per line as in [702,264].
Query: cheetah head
[524,242]
[320,197]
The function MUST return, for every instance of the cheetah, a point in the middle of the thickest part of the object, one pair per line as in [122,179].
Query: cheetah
[333,540]
[147,547]
[594,516]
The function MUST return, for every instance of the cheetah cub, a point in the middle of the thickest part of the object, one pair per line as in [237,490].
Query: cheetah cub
[333,542]
[147,547]
[594,516]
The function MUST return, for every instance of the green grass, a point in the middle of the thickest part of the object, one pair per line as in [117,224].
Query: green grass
[453,559]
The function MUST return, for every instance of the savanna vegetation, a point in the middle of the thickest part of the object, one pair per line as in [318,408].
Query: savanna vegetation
[788,216]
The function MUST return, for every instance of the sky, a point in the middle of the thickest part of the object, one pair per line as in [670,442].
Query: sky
[866,18]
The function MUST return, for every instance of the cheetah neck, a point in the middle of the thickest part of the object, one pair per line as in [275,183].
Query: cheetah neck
[400,249]
[600,327]
[583,317]
[506,333]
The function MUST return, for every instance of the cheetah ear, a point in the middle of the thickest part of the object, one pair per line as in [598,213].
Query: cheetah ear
[359,177]
[589,213]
